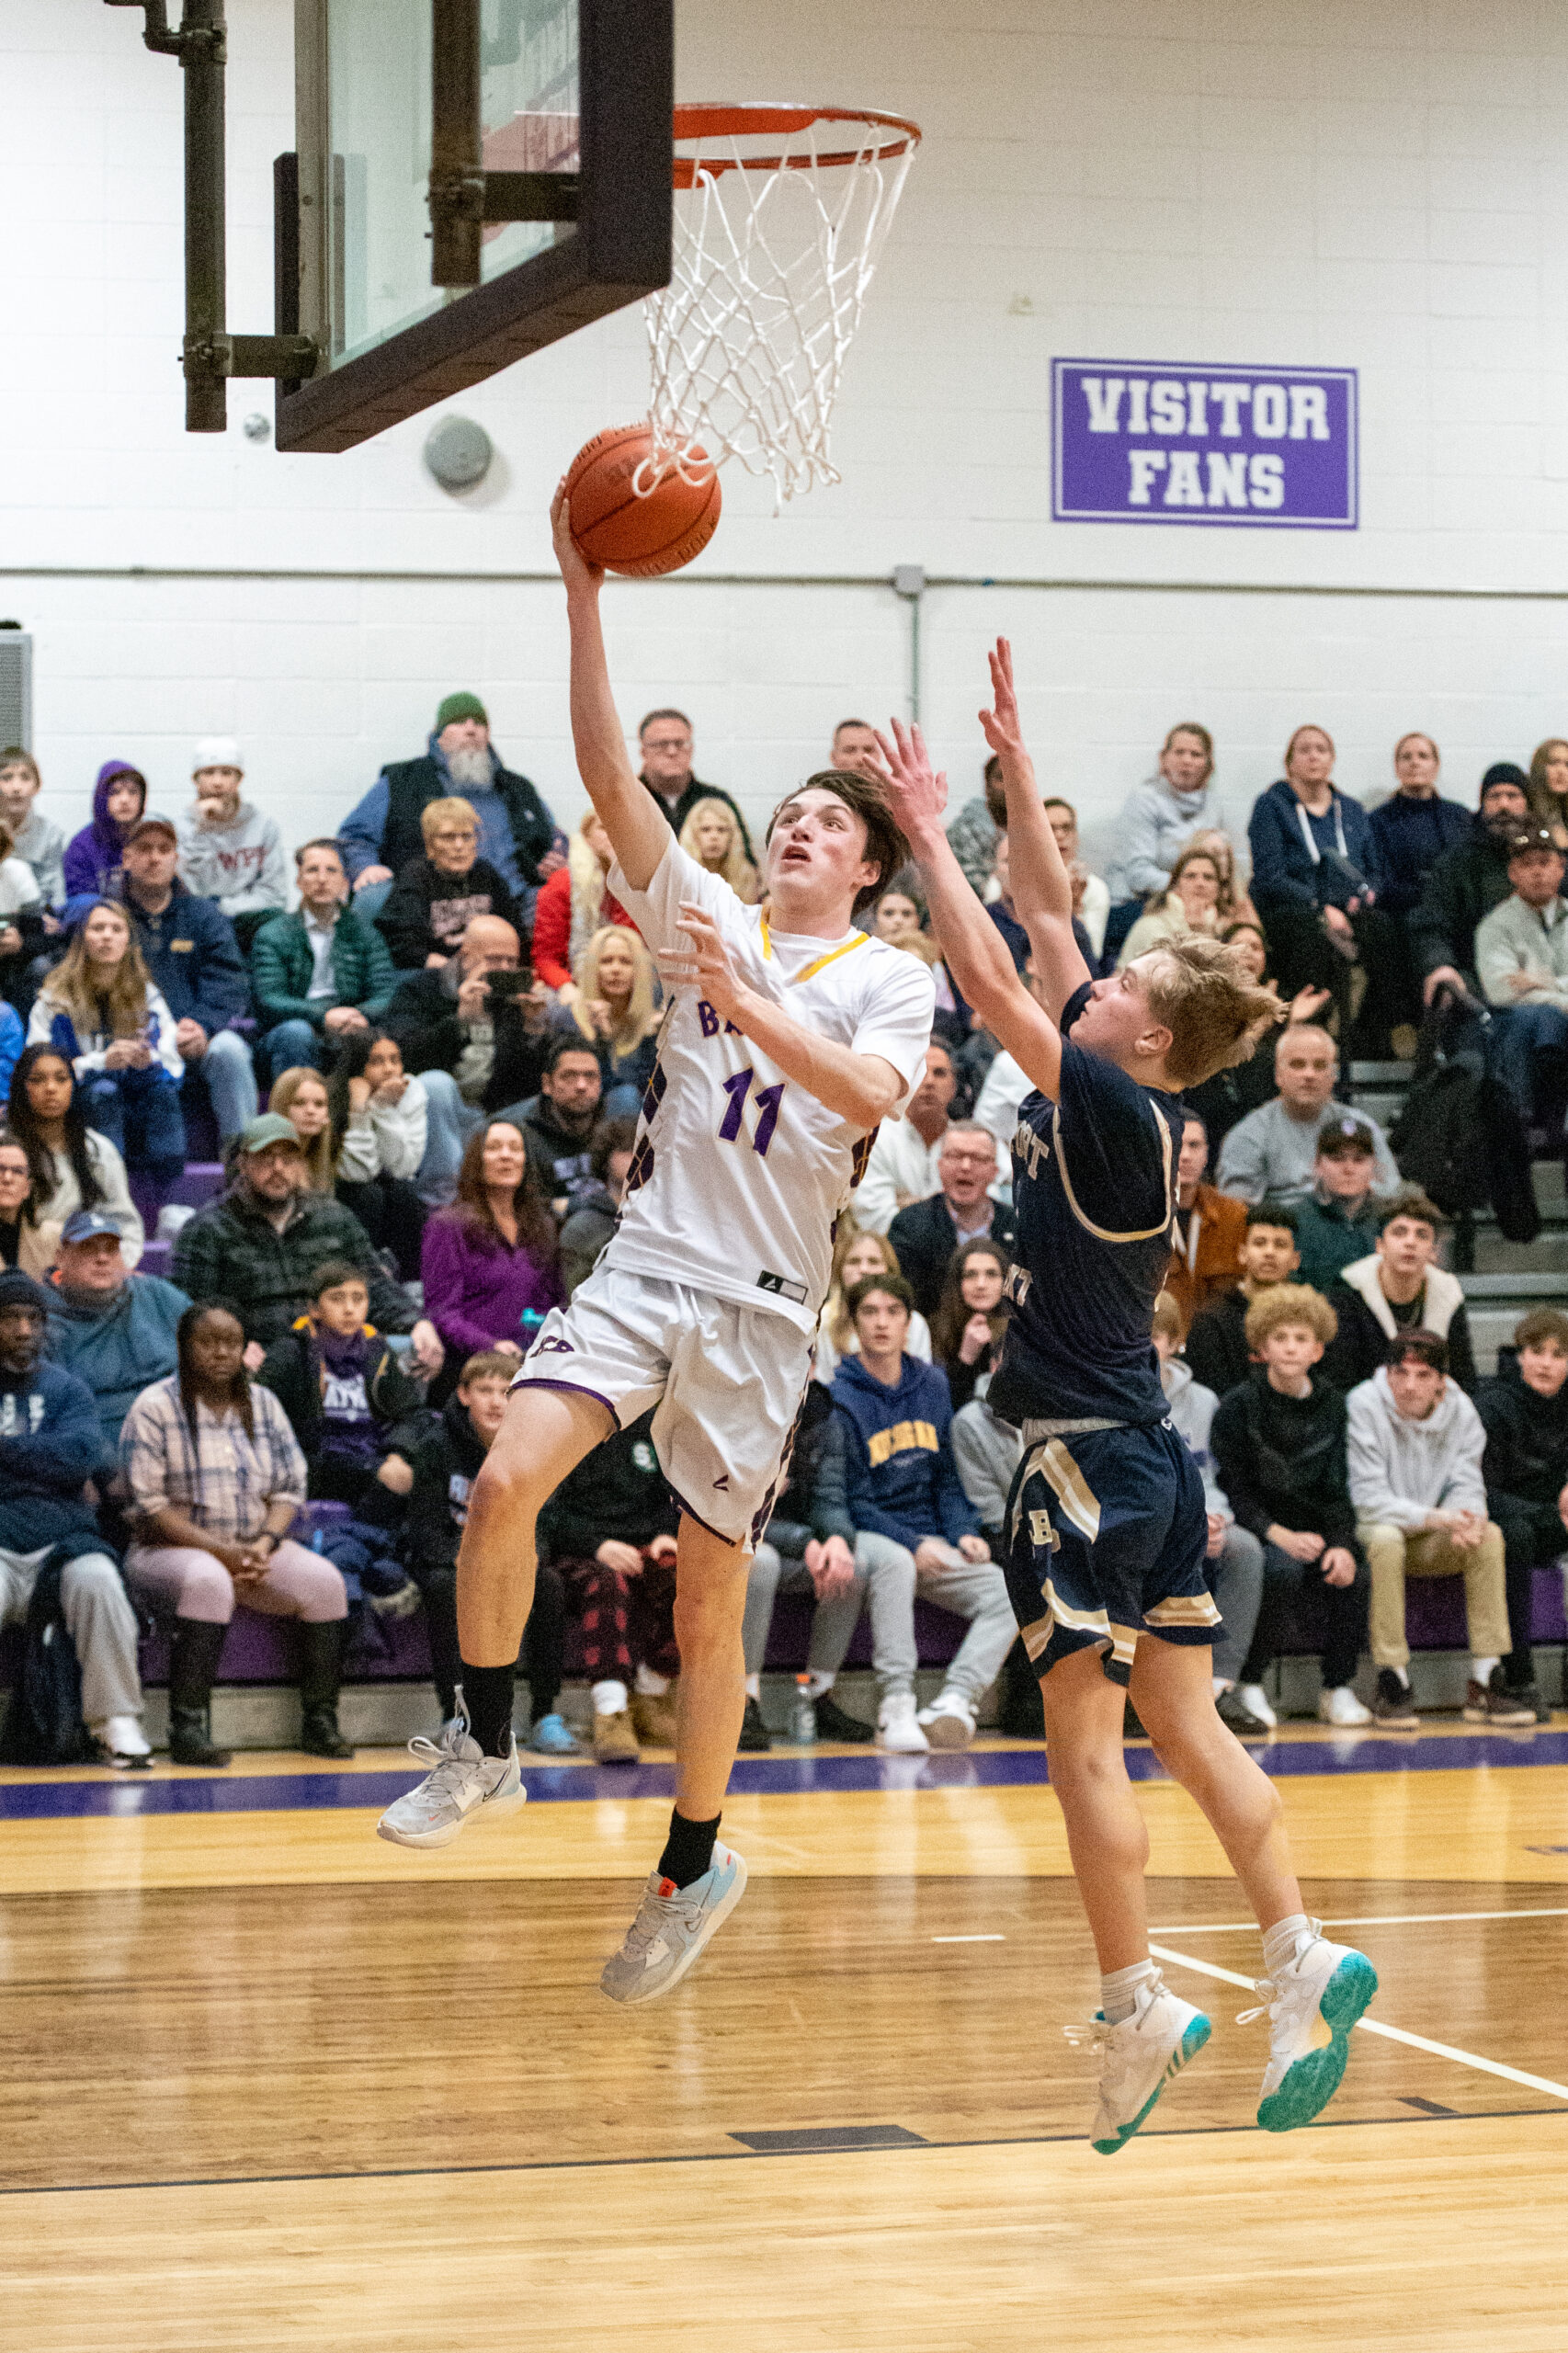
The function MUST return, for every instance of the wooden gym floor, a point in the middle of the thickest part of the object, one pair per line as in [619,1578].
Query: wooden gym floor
[266,2081]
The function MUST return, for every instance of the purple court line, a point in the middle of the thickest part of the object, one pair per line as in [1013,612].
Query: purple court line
[60,1798]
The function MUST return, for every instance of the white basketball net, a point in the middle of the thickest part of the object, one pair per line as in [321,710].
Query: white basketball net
[776,240]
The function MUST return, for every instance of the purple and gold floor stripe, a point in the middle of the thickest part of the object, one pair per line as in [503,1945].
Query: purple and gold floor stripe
[58,1796]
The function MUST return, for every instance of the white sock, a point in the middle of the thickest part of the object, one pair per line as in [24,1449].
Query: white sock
[609,1698]
[1481,1670]
[1283,1941]
[651,1685]
[753,1687]
[1220,1686]
[1404,1675]
[1118,1990]
[818,1685]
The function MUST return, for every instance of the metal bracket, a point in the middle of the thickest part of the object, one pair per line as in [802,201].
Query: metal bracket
[210,353]
[463,195]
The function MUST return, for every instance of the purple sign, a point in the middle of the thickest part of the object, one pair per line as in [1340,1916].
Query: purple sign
[1161,442]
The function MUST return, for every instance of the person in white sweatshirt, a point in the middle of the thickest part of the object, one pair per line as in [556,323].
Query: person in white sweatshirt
[229,851]
[1234,1571]
[1414,1448]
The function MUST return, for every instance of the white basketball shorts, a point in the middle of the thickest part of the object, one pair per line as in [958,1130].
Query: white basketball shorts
[728,1381]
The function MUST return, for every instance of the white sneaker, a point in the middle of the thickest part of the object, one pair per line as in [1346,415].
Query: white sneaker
[124,1739]
[1311,2007]
[1340,1706]
[1255,1699]
[948,1721]
[673,1924]
[1138,2058]
[897,1729]
[462,1782]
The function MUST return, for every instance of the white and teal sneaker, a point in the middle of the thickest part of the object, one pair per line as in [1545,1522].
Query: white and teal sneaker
[673,1924]
[462,1782]
[1311,2007]
[1138,2058]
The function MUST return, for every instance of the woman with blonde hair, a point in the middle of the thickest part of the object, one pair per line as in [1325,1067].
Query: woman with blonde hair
[100,1010]
[1548,787]
[300,1095]
[572,906]
[856,1257]
[1191,904]
[712,838]
[614,1010]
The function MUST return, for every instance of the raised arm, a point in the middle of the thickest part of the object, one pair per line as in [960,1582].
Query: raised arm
[1042,886]
[973,947]
[636,827]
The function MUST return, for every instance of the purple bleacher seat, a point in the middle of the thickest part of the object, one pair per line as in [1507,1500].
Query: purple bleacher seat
[202,1182]
[156,1258]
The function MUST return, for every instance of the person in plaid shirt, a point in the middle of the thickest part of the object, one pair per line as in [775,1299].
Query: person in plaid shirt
[216,1479]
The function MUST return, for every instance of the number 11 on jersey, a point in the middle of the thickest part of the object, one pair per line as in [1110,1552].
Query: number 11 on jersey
[768,1098]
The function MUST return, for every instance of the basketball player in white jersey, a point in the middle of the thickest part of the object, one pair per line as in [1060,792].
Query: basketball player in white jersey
[788,1035]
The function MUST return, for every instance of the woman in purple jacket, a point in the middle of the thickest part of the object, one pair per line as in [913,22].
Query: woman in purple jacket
[95,856]
[491,1263]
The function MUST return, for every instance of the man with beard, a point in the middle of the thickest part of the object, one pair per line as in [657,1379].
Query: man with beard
[516,833]
[1466,883]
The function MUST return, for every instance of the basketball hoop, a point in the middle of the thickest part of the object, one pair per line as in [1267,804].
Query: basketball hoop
[780,214]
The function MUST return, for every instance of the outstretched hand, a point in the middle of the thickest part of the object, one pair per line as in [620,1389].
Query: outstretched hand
[1001,725]
[575,569]
[918,792]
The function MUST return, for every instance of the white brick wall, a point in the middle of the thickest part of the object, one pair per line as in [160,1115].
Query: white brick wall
[1211,180]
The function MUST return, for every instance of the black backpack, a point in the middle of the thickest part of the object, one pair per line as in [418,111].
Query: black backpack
[1459,1137]
[44,1718]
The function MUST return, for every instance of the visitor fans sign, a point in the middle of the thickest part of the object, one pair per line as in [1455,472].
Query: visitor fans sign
[1150,441]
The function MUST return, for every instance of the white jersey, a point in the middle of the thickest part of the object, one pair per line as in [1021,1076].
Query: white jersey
[739,1173]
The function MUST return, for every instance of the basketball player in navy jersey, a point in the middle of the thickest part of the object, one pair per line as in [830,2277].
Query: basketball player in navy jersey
[1106,1523]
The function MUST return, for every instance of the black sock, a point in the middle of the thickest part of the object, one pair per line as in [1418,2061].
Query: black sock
[487,1703]
[688,1850]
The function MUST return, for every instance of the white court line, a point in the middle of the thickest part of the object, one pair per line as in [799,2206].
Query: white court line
[1373,1920]
[968,1940]
[1393,2033]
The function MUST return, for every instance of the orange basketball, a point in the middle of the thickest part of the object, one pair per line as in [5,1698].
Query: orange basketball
[641,537]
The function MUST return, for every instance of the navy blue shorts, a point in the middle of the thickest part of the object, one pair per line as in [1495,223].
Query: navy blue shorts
[1106,1535]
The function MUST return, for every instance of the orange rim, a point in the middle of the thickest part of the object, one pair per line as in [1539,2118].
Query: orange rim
[710,121]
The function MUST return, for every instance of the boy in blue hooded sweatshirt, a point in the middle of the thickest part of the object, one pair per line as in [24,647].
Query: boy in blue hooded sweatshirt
[907,1505]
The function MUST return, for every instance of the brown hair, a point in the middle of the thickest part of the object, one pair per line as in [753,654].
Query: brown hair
[320,841]
[1189,857]
[1167,1319]
[13,756]
[1215,1014]
[893,1286]
[490,1364]
[866,796]
[1412,1202]
[317,1151]
[536,1227]
[947,1324]
[123,1005]
[1417,735]
[1543,1324]
[670,712]
[1546,806]
[1193,727]
[1427,1347]
[737,869]
[1287,1303]
[1307,727]
[996,793]
[835,1314]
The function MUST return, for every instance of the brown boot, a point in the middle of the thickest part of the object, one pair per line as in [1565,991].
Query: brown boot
[654,1718]
[615,1742]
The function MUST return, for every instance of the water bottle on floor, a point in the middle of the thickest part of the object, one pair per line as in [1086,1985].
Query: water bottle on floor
[804,1719]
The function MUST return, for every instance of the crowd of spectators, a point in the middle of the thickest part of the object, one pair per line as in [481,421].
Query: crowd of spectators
[453,1026]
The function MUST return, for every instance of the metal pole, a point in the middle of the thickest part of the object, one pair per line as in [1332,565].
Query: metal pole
[909,582]
[203,55]
[457,178]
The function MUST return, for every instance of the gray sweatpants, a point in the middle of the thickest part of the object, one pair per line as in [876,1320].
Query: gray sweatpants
[98,1618]
[1236,1581]
[890,1583]
[976,1590]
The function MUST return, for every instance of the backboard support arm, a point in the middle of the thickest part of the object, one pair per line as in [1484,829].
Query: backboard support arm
[463,195]
[210,353]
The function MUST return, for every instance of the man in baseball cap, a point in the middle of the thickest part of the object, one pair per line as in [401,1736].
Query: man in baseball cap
[113,1329]
[229,851]
[257,1249]
[1337,1223]
[189,946]
[1521,959]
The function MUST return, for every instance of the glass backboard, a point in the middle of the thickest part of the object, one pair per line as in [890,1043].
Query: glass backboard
[575,89]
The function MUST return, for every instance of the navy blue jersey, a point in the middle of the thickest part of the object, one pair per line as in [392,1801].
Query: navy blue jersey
[1094,1197]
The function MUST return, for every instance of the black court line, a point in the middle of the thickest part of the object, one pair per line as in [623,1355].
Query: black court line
[1429,2107]
[734,2156]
